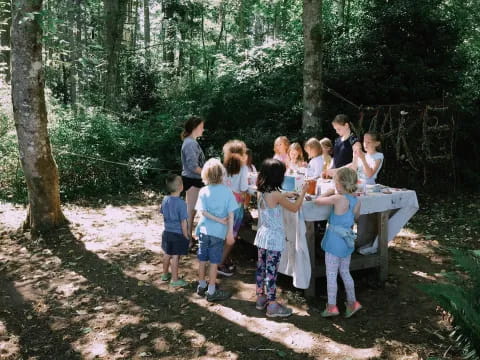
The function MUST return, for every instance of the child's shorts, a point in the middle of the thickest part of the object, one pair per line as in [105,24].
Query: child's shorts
[174,243]
[210,248]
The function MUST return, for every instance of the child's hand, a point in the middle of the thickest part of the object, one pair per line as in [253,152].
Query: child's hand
[305,188]
[224,221]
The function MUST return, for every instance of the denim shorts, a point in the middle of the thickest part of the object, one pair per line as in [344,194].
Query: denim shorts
[210,248]
[174,243]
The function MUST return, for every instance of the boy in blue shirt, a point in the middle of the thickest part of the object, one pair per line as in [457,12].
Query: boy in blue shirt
[216,204]
[175,237]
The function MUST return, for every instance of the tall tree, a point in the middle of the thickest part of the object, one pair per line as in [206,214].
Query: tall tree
[146,29]
[312,67]
[115,13]
[30,117]
[5,24]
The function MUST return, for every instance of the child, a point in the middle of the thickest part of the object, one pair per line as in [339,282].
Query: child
[216,204]
[280,147]
[295,157]
[175,236]
[368,165]
[314,151]
[327,148]
[270,238]
[342,149]
[235,158]
[339,240]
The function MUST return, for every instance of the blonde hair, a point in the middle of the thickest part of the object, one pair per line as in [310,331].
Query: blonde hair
[235,147]
[347,178]
[314,144]
[327,159]
[297,147]
[213,172]
[281,140]
[173,183]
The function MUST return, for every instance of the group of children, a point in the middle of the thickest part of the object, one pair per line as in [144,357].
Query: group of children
[221,205]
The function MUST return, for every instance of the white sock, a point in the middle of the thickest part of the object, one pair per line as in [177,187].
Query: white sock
[211,289]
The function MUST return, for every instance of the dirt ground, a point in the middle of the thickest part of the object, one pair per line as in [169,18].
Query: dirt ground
[93,291]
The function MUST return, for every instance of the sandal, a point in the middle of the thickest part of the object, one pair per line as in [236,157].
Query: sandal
[330,312]
[350,311]
[178,283]
[166,277]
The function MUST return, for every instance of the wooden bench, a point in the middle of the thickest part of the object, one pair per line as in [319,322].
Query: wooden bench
[378,260]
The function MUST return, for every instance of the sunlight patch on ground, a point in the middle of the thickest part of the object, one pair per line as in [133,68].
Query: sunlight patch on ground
[287,334]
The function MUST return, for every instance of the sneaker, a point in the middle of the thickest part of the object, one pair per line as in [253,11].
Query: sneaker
[178,283]
[218,295]
[201,291]
[261,302]
[277,310]
[352,310]
[223,270]
[166,277]
[330,312]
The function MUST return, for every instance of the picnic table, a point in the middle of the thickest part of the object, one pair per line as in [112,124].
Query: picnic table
[388,209]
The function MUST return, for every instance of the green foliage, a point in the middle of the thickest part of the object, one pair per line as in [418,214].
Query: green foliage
[12,183]
[460,296]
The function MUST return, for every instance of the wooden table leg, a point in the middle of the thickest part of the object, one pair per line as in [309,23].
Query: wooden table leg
[310,235]
[383,244]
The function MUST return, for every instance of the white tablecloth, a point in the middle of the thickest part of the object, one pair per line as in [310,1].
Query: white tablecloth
[295,260]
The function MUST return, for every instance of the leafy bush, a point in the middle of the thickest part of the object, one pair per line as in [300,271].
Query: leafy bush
[12,183]
[461,298]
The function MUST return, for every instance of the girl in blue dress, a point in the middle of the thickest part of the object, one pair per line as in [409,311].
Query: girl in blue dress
[339,240]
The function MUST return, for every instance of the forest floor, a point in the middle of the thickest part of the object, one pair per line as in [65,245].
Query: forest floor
[93,291]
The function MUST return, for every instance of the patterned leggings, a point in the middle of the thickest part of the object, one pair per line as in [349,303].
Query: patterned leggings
[334,264]
[266,274]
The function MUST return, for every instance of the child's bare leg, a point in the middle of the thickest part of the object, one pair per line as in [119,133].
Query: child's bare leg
[227,249]
[166,263]
[191,198]
[174,267]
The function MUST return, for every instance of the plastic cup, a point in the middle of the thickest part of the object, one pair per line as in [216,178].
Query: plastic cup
[311,186]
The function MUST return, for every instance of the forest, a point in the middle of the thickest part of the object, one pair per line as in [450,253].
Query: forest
[94,96]
[122,76]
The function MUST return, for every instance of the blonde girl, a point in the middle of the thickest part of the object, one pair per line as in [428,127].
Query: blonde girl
[280,148]
[339,240]
[314,151]
[295,156]
[235,160]
[327,148]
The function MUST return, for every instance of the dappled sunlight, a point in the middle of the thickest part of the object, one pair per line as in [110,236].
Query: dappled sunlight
[285,333]
[100,288]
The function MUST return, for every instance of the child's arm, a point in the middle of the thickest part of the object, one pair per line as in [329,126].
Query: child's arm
[184,228]
[369,171]
[356,210]
[328,198]
[214,218]
[230,238]
[287,204]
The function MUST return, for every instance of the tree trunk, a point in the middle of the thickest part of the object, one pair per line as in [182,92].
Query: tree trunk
[5,24]
[30,116]
[312,68]
[114,14]
[146,30]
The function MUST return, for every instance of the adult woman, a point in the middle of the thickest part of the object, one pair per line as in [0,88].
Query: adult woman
[193,159]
